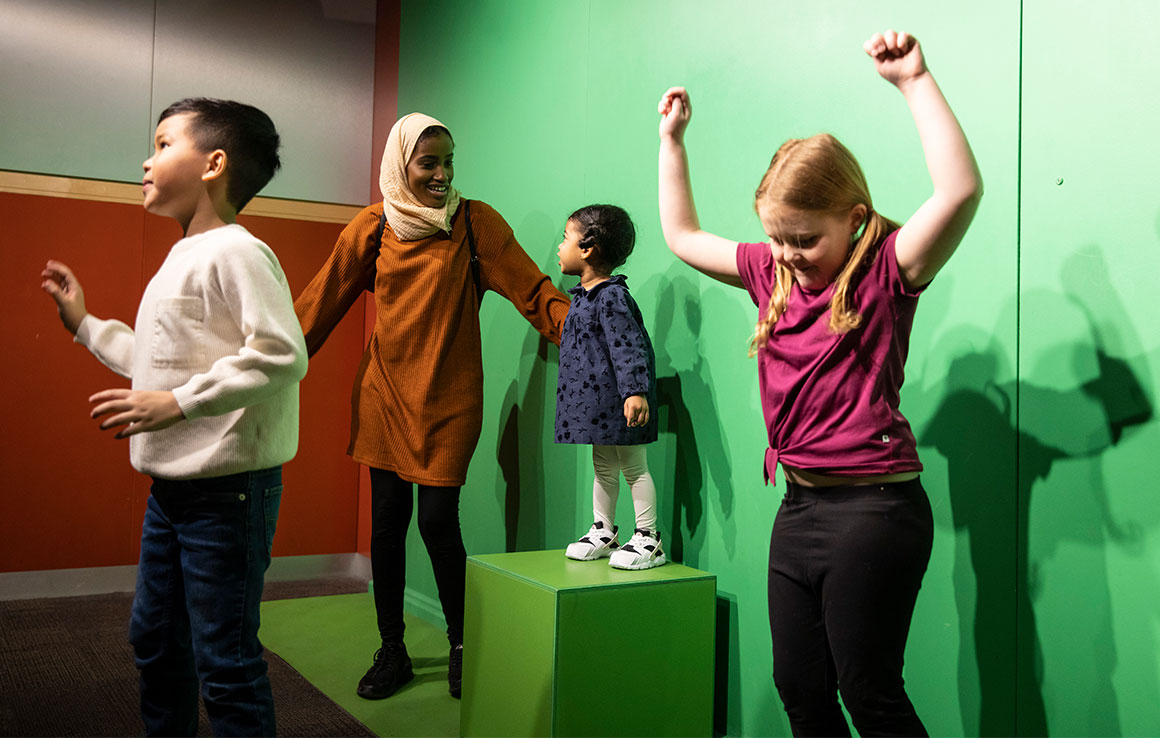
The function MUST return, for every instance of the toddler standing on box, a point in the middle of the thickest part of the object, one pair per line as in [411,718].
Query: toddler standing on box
[608,373]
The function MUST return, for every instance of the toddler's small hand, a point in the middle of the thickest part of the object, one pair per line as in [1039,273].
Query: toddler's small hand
[636,410]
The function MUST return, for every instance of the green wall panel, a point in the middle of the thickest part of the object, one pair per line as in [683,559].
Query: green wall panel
[553,106]
[1089,366]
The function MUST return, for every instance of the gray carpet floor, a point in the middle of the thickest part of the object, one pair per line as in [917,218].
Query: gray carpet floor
[66,669]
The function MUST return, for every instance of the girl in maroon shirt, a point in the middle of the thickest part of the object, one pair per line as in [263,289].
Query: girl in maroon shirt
[836,287]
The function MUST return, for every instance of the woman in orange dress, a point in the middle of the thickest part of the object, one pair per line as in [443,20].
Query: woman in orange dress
[418,396]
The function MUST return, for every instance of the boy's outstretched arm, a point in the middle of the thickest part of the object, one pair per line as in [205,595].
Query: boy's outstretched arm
[930,237]
[63,286]
[137,410]
[110,341]
[713,255]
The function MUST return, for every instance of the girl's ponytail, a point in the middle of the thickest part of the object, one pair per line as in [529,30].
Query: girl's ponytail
[777,300]
[844,316]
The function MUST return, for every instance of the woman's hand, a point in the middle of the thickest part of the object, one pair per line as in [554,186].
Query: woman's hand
[675,111]
[897,57]
[636,410]
[60,283]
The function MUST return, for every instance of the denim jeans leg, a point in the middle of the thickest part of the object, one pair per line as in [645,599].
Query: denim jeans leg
[225,527]
[159,632]
[224,557]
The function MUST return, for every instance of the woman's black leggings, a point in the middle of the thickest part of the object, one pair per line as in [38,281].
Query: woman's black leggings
[845,566]
[392,500]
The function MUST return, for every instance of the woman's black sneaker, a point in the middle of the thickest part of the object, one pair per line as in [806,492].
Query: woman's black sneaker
[455,670]
[391,671]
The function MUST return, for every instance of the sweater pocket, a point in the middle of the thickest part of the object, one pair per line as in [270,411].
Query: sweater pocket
[178,326]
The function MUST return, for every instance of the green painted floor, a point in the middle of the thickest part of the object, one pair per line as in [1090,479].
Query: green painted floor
[330,640]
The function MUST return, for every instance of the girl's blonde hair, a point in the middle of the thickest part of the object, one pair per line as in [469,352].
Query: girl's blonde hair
[818,174]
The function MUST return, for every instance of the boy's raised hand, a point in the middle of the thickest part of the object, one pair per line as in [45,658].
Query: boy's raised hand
[675,111]
[897,56]
[60,283]
[137,410]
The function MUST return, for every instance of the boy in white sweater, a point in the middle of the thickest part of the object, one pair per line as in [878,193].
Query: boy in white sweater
[215,359]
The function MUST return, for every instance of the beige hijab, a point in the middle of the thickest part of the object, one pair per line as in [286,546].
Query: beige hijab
[409,218]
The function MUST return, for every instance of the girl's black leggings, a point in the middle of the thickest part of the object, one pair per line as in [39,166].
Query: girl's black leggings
[392,500]
[845,566]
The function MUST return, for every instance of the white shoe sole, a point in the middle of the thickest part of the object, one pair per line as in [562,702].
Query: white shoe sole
[646,565]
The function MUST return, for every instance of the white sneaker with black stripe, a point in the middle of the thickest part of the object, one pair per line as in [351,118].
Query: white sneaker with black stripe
[598,542]
[641,552]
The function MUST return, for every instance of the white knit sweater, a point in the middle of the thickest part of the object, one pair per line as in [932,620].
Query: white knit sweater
[216,325]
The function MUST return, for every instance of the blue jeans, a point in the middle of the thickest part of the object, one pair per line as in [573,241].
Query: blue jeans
[205,547]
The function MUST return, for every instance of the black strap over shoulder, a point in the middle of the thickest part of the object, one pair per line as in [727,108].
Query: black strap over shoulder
[378,243]
[382,225]
[474,253]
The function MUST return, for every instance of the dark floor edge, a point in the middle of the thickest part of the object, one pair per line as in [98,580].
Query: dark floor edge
[123,579]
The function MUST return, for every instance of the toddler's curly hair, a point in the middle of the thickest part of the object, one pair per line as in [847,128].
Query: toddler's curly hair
[608,231]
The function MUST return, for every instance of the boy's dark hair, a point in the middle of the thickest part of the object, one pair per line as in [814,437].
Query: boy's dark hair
[431,132]
[244,133]
[608,231]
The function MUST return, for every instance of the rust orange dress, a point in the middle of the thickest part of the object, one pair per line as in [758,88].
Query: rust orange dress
[418,396]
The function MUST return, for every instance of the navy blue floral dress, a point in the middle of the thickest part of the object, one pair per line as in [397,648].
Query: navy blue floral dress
[605,356]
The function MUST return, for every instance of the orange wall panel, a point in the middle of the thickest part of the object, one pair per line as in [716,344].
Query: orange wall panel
[70,497]
[69,493]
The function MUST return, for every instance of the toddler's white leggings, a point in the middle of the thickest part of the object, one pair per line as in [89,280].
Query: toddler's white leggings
[609,462]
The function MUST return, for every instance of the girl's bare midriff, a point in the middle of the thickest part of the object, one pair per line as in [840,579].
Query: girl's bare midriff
[818,480]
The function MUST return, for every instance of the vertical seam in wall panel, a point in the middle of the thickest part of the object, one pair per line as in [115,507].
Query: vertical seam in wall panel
[149,138]
[588,90]
[152,78]
[1020,545]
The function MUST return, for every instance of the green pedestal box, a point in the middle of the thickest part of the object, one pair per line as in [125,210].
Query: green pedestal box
[554,647]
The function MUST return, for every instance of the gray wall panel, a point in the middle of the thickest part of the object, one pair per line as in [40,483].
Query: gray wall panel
[83,82]
[310,68]
[74,92]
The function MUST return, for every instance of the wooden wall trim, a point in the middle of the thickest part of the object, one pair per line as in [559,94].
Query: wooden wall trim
[24,183]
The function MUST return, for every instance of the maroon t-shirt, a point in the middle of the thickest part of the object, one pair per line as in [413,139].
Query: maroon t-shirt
[831,400]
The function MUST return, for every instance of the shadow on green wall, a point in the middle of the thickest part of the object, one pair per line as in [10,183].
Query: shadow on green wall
[525,422]
[976,429]
[525,443]
[694,445]
[688,414]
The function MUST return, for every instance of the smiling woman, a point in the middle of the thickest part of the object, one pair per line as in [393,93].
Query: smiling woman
[419,392]
[430,170]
